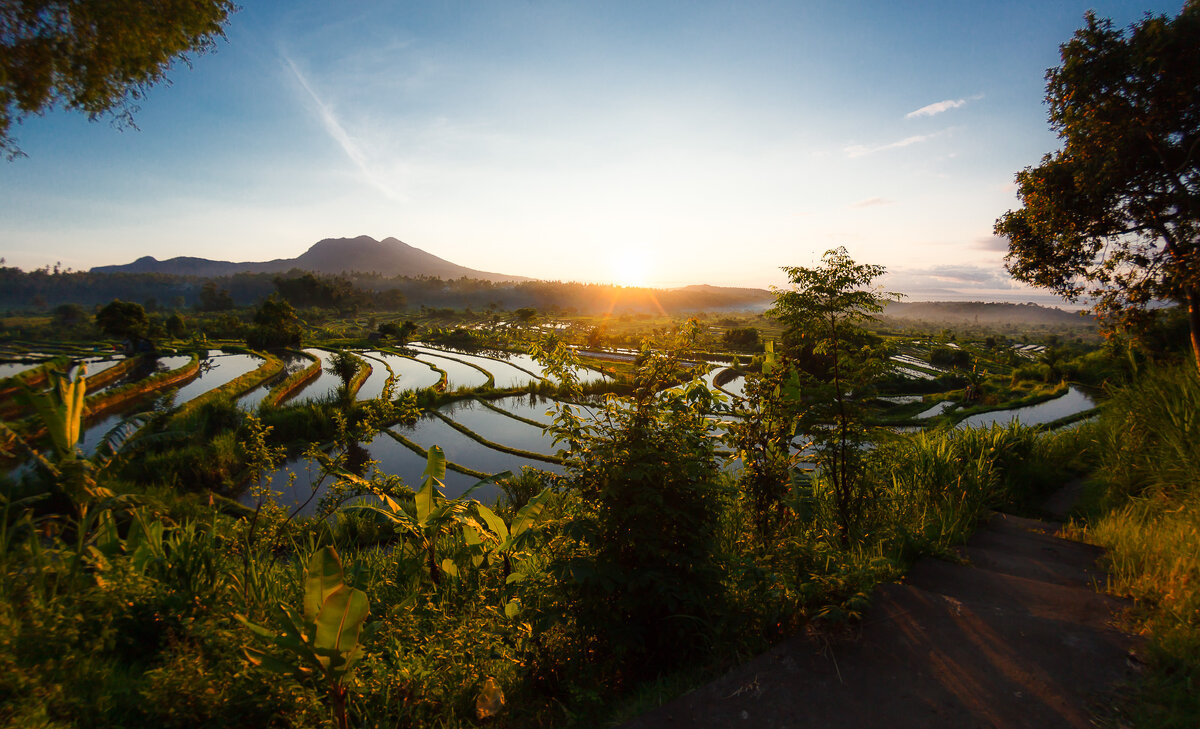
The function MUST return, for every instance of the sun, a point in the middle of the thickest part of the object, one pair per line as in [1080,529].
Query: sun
[629,267]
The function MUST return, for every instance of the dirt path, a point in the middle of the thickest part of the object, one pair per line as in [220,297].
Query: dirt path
[1017,638]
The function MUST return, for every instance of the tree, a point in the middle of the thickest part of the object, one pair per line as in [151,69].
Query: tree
[95,56]
[213,299]
[123,320]
[825,309]
[1115,214]
[343,364]
[402,332]
[329,292]
[391,300]
[176,327]
[745,339]
[276,325]
[69,315]
[946,356]
[762,436]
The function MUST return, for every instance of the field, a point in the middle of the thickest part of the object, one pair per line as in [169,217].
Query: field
[221,472]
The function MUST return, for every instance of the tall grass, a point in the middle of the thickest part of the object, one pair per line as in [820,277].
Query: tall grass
[932,488]
[1148,517]
[1150,439]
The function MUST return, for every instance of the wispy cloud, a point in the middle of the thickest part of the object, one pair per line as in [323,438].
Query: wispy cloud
[992,243]
[859,150]
[871,202]
[334,128]
[960,278]
[939,107]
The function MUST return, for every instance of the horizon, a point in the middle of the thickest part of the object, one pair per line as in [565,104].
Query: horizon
[664,145]
[1016,299]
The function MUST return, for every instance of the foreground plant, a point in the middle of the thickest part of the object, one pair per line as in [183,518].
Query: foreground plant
[508,541]
[325,639]
[431,516]
[824,311]
[762,434]
[61,408]
[638,561]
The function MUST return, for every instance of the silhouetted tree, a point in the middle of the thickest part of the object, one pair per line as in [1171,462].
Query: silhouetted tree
[1115,214]
[276,325]
[124,320]
[95,56]
[826,308]
[69,315]
[176,327]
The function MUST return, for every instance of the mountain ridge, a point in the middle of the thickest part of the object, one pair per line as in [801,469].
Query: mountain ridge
[388,257]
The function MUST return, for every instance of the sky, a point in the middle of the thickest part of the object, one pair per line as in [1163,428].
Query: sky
[637,143]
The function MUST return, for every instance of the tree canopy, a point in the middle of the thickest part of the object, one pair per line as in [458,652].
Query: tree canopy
[123,320]
[95,56]
[276,325]
[1115,214]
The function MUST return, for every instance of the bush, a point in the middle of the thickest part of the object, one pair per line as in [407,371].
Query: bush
[642,576]
[944,356]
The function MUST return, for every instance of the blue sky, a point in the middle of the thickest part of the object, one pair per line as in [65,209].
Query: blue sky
[629,142]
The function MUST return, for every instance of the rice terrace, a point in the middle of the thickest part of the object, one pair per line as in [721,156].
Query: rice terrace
[905,459]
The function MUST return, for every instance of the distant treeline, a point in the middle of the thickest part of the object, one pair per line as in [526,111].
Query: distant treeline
[984,313]
[45,288]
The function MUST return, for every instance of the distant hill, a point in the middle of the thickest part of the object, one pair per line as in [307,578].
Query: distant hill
[985,313]
[700,297]
[388,257]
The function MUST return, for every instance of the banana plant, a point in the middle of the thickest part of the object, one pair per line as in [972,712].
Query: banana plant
[326,638]
[509,540]
[61,409]
[432,515]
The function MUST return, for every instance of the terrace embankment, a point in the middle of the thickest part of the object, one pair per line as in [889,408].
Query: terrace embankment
[1016,636]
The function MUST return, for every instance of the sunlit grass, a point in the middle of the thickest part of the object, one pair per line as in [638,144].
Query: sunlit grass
[1147,515]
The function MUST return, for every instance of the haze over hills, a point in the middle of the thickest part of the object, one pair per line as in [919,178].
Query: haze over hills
[388,257]
[391,258]
[986,313]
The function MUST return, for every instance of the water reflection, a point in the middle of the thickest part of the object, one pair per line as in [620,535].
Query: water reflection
[504,375]
[500,428]
[305,490]
[8,369]
[322,386]
[457,373]
[293,362]
[1073,402]
[217,370]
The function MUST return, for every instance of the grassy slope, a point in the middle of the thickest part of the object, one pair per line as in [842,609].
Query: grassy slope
[1144,507]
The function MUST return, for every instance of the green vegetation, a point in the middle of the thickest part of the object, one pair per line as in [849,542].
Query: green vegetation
[325,638]
[646,566]
[569,595]
[134,590]
[275,325]
[123,320]
[1144,507]
[832,356]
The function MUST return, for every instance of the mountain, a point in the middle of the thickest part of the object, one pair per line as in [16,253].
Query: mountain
[701,297]
[388,257]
